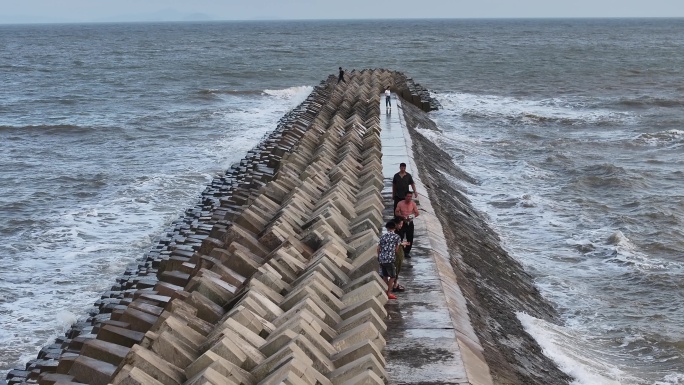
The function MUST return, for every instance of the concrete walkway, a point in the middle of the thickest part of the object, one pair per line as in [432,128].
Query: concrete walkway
[427,340]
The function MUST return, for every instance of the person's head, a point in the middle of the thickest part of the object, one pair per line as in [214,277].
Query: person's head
[399,221]
[387,88]
[402,166]
[408,197]
[391,226]
[340,68]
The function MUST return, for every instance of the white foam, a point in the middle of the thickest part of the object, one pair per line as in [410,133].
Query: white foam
[547,227]
[66,318]
[252,117]
[494,107]
[669,137]
[291,93]
[671,379]
[583,363]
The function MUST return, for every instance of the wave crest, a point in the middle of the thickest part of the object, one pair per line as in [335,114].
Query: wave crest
[666,137]
[577,111]
[290,92]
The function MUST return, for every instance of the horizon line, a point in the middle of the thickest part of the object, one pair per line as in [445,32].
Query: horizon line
[123,21]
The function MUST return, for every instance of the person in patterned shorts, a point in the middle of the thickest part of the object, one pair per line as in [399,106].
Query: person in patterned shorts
[387,250]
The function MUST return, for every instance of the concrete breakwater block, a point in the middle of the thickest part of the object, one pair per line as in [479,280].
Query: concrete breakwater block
[212,361]
[361,329]
[150,363]
[206,309]
[135,376]
[171,348]
[104,351]
[188,314]
[357,367]
[227,274]
[278,340]
[55,378]
[212,287]
[295,370]
[119,336]
[91,371]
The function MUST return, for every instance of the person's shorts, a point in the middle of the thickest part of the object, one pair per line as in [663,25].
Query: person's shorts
[388,270]
[399,260]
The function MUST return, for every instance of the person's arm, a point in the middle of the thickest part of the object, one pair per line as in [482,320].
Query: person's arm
[413,185]
[415,209]
[394,183]
[397,211]
[377,251]
[396,250]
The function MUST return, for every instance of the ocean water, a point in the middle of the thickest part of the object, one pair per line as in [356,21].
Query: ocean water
[574,130]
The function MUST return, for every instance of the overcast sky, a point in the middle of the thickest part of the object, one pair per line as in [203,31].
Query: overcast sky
[12,11]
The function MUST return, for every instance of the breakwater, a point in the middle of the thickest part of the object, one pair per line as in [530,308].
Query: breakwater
[271,277]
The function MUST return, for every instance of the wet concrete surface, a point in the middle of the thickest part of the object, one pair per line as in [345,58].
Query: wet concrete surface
[421,339]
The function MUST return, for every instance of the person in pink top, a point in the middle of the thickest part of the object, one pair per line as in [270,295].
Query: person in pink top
[407,208]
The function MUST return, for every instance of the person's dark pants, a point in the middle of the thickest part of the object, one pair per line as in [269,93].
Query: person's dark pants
[387,101]
[407,230]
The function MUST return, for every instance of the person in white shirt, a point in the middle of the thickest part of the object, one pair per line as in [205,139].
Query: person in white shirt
[388,100]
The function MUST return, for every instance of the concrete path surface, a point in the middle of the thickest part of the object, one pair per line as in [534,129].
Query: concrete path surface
[429,337]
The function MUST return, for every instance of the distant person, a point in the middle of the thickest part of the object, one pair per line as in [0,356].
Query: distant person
[341,77]
[388,100]
[400,184]
[388,245]
[407,209]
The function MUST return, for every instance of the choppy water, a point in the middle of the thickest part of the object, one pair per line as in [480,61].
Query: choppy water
[574,128]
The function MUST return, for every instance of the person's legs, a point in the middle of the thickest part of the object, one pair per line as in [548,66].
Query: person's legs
[389,270]
[408,229]
[400,259]
[390,286]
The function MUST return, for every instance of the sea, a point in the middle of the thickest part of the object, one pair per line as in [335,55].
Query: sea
[573,129]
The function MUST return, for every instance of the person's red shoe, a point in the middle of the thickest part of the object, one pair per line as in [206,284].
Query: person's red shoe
[391,296]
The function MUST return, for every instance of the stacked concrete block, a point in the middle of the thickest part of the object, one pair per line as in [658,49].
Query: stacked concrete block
[272,277]
[412,92]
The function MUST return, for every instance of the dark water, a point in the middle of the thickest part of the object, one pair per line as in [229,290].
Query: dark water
[574,128]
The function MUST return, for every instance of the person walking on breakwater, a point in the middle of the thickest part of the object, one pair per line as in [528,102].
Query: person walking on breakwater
[407,209]
[400,185]
[388,100]
[340,78]
[388,245]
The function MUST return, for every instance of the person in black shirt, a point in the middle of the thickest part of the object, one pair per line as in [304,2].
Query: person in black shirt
[341,77]
[400,185]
